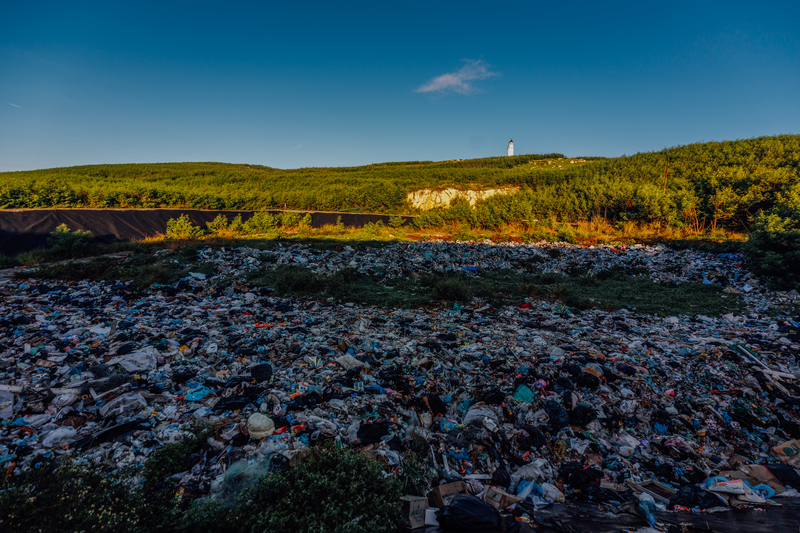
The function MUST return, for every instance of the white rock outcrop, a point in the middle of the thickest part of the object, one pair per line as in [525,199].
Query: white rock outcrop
[427,199]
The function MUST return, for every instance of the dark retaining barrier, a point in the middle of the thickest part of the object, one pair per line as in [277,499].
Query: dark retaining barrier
[22,230]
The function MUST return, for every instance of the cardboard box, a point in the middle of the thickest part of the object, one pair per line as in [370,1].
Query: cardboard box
[789,453]
[440,496]
[499,499]
[414,508]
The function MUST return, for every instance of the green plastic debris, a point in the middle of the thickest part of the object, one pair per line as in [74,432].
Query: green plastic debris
[524,394]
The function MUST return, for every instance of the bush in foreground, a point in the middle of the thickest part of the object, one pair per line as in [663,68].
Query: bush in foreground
[774,244]
[63,239]
[331,491]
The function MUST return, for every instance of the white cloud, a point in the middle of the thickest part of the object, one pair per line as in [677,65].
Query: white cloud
[461,81]
[15,105]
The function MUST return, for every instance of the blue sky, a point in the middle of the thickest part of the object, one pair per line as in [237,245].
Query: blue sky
[321,84]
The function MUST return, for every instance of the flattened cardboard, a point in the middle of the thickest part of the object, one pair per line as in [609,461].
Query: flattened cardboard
[762,475]
[659,491]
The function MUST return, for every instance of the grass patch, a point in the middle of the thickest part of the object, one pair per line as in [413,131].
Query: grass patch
[644,295]
[608,289]
[346,285]
[611,289]
[71,271]
[142,269]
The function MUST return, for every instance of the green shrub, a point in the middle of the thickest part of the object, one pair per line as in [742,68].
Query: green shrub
[396,221]
[260,222]
[773,248]
[62,239]
[220,223]
[332,491]
[7,262]
[236,225]
[182,228]
[463,233]
[305,224]
[373,229]
[413,476]
[58,496]
[290,219]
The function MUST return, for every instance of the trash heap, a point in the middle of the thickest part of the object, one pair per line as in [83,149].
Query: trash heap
[526,404]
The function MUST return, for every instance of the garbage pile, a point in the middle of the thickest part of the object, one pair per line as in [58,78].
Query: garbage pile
[521,405]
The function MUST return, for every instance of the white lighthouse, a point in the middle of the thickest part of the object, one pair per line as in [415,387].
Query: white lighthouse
[510,148]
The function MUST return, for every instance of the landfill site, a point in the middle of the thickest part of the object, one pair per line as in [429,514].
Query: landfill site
[531,415]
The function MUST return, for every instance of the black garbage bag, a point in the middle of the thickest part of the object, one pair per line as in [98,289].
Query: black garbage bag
[438,407]
[462,437]
[694,496]
[565,384]
[579,476]
[581,415]
[785,474]
[281,422]
[493,396]
[308,400]
[105,435]
[559,417]
[100,371]
[262,372]
[587,381]
[182,376]
[628,370]
[501,478]
[372,433]
[253,392]
[126,348]
[232,403]
[532,438]
[469,514]
[111,382]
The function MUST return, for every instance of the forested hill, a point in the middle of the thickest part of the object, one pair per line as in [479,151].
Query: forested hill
[715,182]
[376,188]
